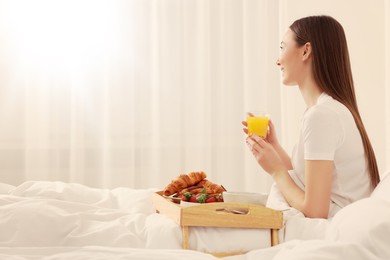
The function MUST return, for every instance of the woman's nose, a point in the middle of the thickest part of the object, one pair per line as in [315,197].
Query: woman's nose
[277,62]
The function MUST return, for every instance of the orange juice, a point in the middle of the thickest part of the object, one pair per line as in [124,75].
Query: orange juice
[258,125]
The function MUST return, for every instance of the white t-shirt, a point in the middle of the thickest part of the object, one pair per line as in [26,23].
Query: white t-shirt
[329,132]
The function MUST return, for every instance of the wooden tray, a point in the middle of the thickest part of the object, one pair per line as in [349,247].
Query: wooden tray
[219,214]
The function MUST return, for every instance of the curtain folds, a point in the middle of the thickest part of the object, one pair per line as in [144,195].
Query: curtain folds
[133,93]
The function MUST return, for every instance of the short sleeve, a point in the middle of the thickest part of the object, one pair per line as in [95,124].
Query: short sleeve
[322,133]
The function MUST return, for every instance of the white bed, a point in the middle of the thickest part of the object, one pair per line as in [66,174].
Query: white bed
[55,220]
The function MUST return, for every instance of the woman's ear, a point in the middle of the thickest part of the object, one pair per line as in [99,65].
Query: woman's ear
[306,51]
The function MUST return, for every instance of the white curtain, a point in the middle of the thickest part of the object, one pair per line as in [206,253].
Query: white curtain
[132,93]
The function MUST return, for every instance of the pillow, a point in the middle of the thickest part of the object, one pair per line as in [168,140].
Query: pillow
[365,222]
[382,191]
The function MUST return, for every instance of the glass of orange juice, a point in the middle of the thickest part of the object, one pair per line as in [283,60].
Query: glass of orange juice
[258,124]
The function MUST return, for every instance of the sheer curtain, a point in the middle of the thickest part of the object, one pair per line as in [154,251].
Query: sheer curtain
[133,93]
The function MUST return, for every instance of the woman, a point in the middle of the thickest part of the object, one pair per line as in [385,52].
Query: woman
[333,158]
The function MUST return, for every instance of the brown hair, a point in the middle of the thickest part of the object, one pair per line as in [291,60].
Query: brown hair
[332,71]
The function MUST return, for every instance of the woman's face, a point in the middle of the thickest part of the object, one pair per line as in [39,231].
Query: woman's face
[290,60]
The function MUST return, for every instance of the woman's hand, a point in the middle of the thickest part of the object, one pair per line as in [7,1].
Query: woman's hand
[272,140]
[271,132]
[265,154]
[244,123]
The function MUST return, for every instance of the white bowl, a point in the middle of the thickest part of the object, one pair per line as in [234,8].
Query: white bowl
[245,197]
[185,204]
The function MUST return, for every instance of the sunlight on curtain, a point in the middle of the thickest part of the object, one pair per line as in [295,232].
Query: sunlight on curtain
[133,93]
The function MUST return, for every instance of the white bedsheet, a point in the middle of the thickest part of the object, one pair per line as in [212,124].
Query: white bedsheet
[45,214]
[292,250]
[100,253]
[310,250]
[55,220]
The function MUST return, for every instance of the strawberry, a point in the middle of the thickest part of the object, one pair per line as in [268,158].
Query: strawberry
[219,198]
[211,199]
[193,199]
[202,197]
[187,196]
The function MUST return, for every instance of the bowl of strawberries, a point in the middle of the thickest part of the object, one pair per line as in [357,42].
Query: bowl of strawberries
[193,199]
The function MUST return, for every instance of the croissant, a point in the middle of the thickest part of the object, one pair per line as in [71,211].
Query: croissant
[193,189]
[183,181]
[211,188]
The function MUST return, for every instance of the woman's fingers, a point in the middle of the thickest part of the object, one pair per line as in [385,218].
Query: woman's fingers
[271,135]
[270,129]
[271,125]
[259,140]
[246,125]
[253,146]
[255,143]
